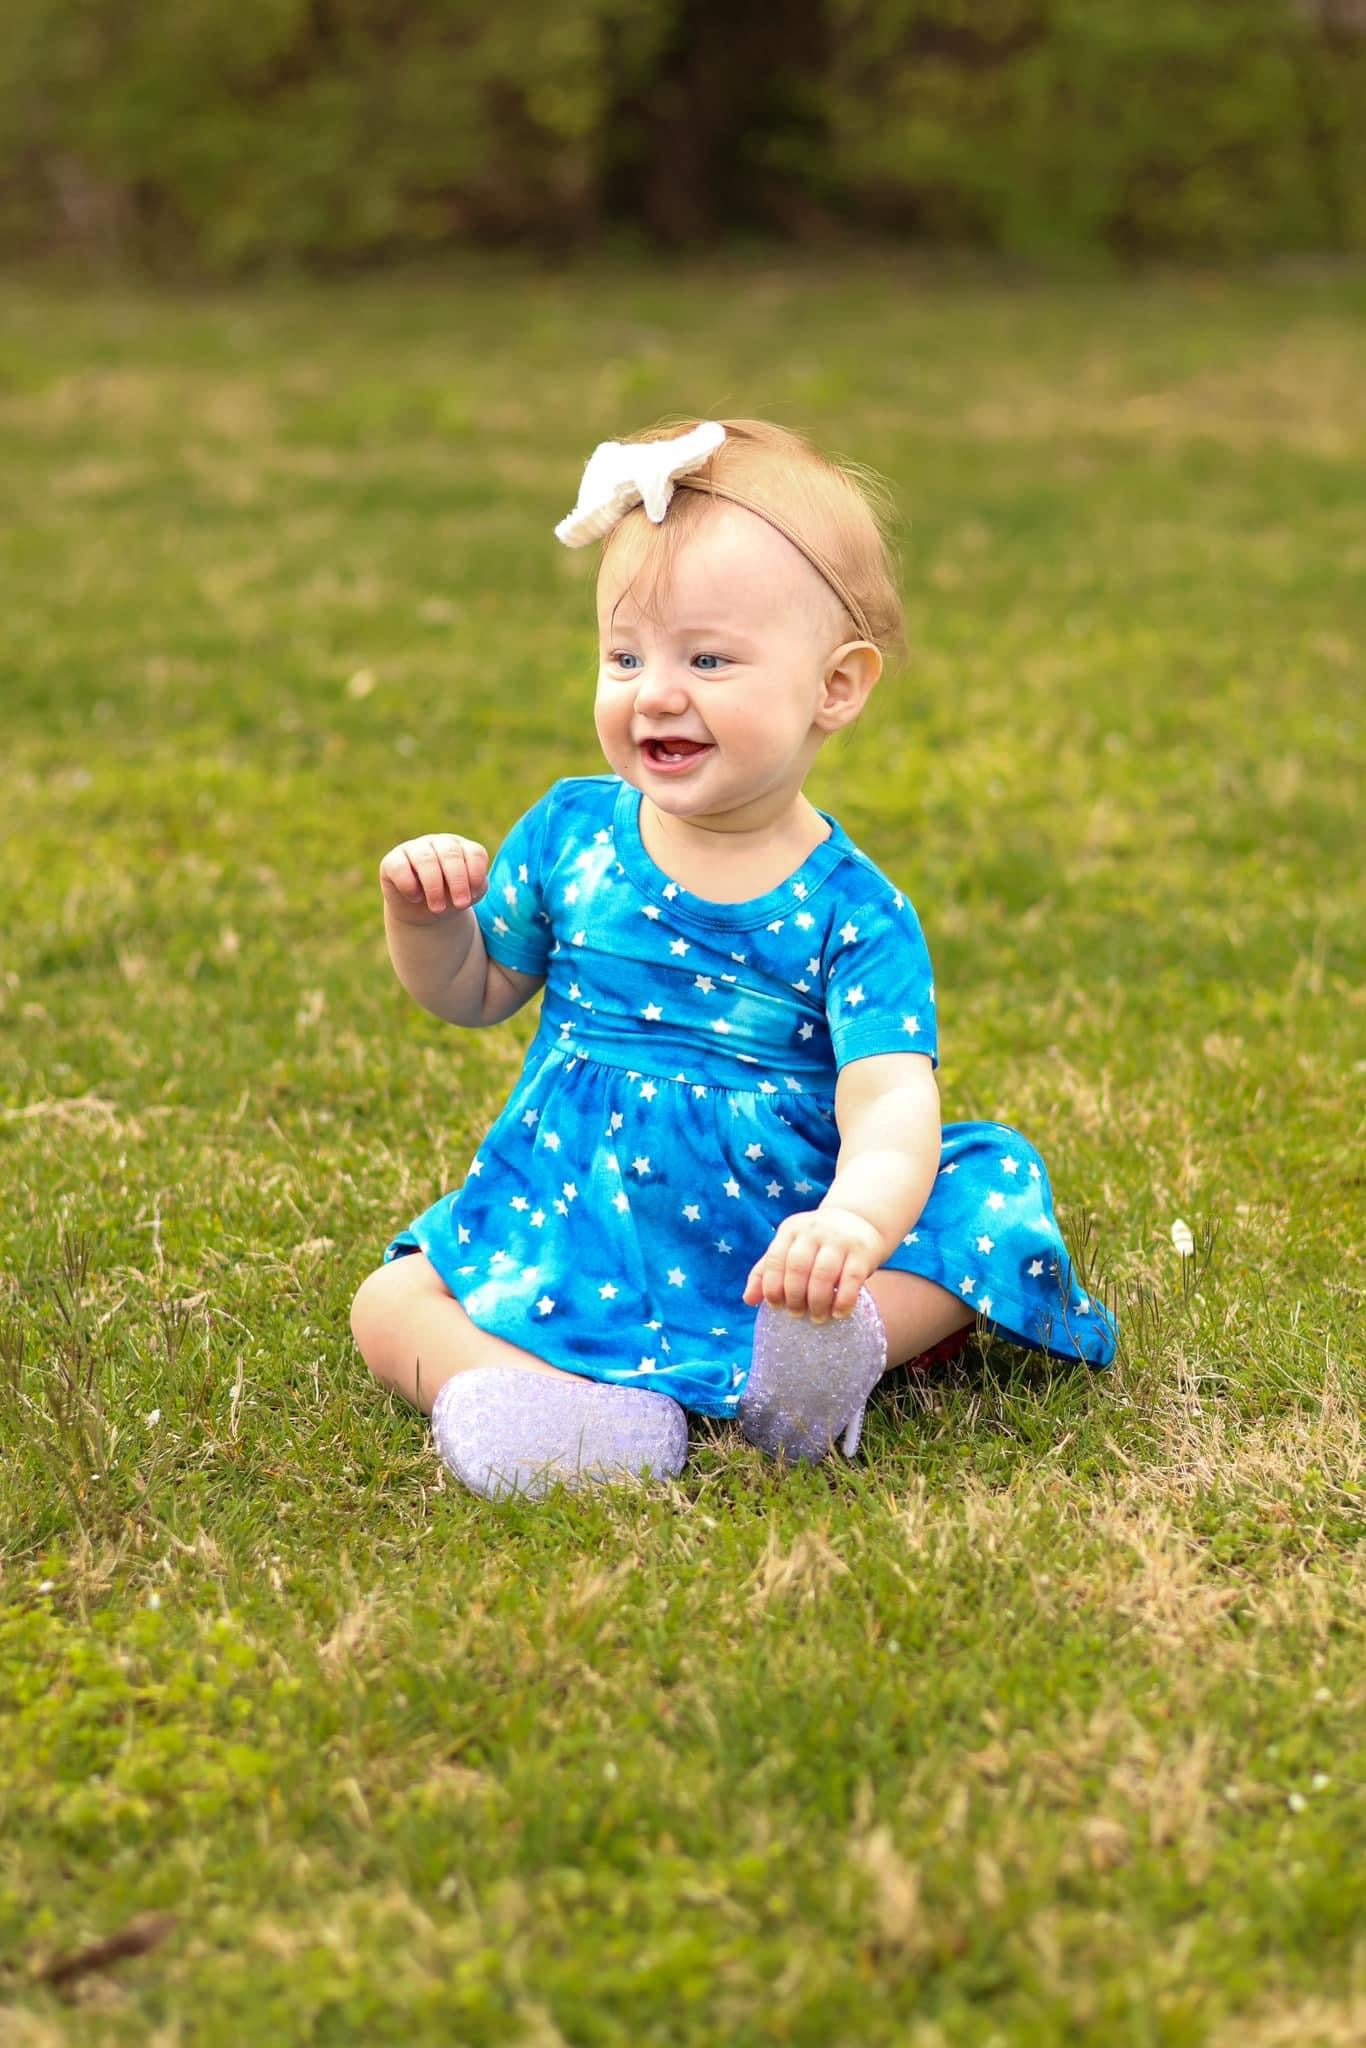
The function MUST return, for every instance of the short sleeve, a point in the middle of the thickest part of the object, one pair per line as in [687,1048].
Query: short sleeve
[879,984]
[512,914]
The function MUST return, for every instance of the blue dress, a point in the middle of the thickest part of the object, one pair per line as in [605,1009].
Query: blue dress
[678,1101]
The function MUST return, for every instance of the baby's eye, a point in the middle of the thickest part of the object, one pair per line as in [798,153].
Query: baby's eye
[710,657]
[618,660]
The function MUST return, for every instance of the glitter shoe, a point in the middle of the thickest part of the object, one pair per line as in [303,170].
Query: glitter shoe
[503,1431]
[809,1382]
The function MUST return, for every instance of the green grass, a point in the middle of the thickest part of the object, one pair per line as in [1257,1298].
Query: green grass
[1042,1722]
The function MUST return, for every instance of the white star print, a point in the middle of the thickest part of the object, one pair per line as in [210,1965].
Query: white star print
[671,890]
[805,920]
[802,987]
[680,946]
[648,1365]
[641,1165]
[574,991]
[721,1025]
[616,1123]
[571,894]
[578,939]
[602,838]
[776,925]
[806,1031]
[986,1244]
[676,1276]
[649,910]
[500,924]
[620,1203]
[522,874]
[545,1304]
[1034,1173]
[966,1286]
[648,1091]
[1009,1165]
[509,894]
[652,1013]
[476,1168]
[698,1088]
[813,966]
[911,1237]
[607,1293]
[692,1212]
[773,1190]
[952,1167]
[801,1187]
[462,1235]
[848,932]
[569,1191]
[550,1139]
[910,1025]
[984,1305]
[519,1202]
[732,1188]
[995,1200]
[799,891]
[754,1151]
[721,1245]
[705,983]
[531,1116]
[537,1218]
[720,1330]
[1035,1268]
[855,995]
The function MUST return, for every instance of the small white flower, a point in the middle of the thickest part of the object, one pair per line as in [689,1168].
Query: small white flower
[1182,1238]
[1296,1802]
[154,1599]
[153,1419]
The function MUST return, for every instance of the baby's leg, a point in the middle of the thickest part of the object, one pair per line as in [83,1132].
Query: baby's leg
[916,1314]
[414,1336]
[503,1420]
[809,1381]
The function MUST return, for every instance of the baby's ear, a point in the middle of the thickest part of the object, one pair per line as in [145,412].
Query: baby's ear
[850,679]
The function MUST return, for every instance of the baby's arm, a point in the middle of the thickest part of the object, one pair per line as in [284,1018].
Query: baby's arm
[887,1110]
[430,886]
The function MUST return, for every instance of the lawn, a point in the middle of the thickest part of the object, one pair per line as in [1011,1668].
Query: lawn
[1042,1722]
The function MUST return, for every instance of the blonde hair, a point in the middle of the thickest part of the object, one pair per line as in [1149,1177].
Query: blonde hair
[841,515]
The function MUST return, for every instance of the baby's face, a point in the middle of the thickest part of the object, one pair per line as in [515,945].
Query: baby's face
[734,667]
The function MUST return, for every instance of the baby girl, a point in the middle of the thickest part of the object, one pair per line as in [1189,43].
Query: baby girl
[720,1184]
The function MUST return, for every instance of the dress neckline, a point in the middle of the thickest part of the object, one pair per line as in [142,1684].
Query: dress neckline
[649,877]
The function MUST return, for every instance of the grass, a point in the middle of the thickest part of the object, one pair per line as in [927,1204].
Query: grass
[1043,1721]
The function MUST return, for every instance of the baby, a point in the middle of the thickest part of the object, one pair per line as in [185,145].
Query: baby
[720,1184]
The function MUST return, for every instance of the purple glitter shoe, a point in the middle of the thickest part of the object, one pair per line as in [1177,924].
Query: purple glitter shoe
[502,1431]
[809,1382]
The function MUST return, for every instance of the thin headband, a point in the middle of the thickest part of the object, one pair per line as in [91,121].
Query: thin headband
[622,474]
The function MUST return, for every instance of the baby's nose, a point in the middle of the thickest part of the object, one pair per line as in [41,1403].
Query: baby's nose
[660,689]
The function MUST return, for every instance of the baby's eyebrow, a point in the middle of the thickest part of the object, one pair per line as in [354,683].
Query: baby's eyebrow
[716,628]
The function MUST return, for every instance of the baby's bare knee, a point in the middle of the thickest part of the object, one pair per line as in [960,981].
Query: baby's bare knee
[374,1313]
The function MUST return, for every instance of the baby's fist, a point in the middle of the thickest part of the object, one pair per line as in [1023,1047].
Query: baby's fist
[427,878]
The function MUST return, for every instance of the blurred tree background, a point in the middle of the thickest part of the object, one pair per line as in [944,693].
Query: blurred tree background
[212,137]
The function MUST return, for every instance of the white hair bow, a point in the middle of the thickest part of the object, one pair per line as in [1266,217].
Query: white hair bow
[621,474]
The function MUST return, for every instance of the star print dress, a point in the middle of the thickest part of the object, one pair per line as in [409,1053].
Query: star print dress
[678,1101]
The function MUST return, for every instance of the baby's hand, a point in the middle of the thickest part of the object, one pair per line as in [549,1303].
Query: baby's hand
[816,1264]
[426,878]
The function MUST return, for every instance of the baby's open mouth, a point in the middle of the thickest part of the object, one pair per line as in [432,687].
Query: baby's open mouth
[674,750]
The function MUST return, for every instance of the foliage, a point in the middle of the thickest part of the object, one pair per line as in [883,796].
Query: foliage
[215,136]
